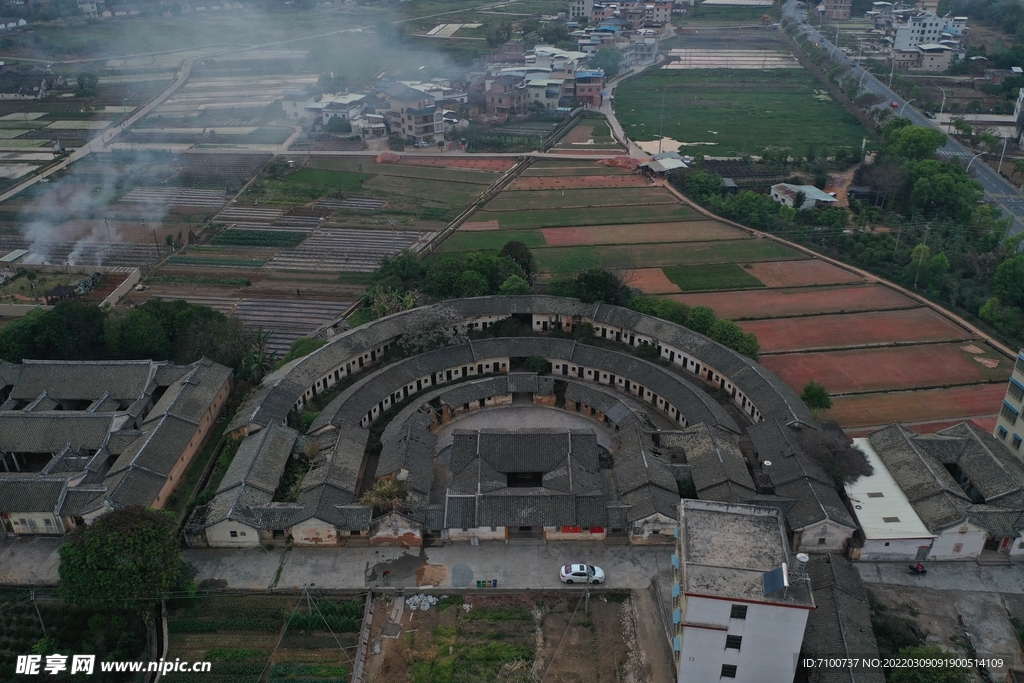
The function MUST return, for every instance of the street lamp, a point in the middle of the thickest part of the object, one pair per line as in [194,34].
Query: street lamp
[943,105]
[892,58]
[900,112]
[972,161]
[864,72]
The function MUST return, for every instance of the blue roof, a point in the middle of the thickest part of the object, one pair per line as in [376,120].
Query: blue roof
[590,73]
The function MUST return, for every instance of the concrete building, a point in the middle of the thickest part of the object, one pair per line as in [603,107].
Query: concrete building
[837,9]
[964,485]
[295,103]
[741,603]
[80,438]
[579,10]
[1009,426]
[784,193]
[590,86]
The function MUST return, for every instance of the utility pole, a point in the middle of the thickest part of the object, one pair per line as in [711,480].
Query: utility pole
[899,231]
[32,592]
[920,261]
[999,168]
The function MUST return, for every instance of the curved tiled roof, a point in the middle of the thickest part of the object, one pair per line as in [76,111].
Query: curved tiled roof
[284,388]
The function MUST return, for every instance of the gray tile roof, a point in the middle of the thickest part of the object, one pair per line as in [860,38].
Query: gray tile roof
[776,442]
[840,627]
[815,502]
[84,380]
[50,432]
[281,389]
[643,480]
[934,494]
[261,459]
[8,374]
[30,494]
[190,396]
[714,457]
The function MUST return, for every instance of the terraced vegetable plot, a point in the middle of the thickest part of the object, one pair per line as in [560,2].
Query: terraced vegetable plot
[547,199]
[551,218]
[348,250]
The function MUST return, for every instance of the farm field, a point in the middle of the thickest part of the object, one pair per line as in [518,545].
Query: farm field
[952,404]
[579,198]
[882,369]
[683,231]
[853,329]
[553,218]
[679,253]
[509,637]
[711,276]
[771,303]
[239,635]
[801,273]
[735,111]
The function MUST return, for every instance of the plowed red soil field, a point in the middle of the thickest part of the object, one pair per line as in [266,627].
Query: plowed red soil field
[853,329]
[800,273]
[460,162]
[652,281]
[577,182]
[904,367]
[772,303]
[872,410]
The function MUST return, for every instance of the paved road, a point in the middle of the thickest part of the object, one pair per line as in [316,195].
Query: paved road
[997,188]
[946,576]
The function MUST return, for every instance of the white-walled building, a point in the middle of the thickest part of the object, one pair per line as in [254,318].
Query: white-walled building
[784,193]
[892,530]
[1009,427]
[741,604]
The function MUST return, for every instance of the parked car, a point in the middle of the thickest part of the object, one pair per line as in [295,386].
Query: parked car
[581,573]
[894,105]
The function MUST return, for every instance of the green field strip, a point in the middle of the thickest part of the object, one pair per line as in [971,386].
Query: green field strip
[706,276]
[518,200]
[492,240]
[611,215]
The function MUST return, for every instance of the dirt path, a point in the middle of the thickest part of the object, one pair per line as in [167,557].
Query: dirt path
[658,662]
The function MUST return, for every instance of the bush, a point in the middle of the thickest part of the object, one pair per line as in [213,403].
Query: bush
[538,364]
[816,396]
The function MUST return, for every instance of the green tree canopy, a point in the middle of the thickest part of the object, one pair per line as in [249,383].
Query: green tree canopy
[591,286]
[608,59]
[72,330]
[338,124]
[906,141]
[816,396]
[1009,280]
[521,254]
[939,190]
[515,285]
[701,319]
[127,560]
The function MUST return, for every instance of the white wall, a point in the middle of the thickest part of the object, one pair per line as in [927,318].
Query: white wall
[314,532]
[25,523]
[972,542]
[219,535]
[835,538]
[902,549]
[772,636]
[483,533]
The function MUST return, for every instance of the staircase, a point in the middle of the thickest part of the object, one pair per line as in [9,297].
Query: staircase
[991,558]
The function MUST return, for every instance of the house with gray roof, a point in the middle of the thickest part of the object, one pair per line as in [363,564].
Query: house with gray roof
[115,433]
[840,627]
[962,484]
[817,518]
[713,460]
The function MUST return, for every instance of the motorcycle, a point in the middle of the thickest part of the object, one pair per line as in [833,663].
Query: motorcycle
[917,572]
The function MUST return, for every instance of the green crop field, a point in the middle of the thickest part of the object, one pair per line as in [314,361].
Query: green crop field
[346,181]
[710,276]
[736,111]
[450,192]
[260,238]
[492,240]
[553,199]
[364,165]
[656,255]
[554,218]
[589,169]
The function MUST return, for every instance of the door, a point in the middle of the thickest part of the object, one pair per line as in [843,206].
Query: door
[922,553]
[1004,547]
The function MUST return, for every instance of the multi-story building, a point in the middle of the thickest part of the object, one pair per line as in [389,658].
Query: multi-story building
[506,95]
[913,29]
[1009,426]
[413,114]
[580,10]
[589,86]
[741,603]
[837,9]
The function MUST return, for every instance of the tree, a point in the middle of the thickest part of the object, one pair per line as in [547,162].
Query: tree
[666,309]
[701,319]
[440,328]
[816,396]
[938,674]
[911,142]
[385,301]
[515,285]
[608,59]
[498,33]
[302,347]
[521,254]
[136,334]
[385,495]
[88,83]
[1009,280]
[701,185]
[338,124]
[127,560]
[471,283]
[72,330]
[538,364]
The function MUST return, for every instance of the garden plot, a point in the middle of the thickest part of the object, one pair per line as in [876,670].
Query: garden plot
[978,402]
[348,250]
[244,213]
[286,319]
[802,301]
[730,59]
[87,253]
[200,199]
[350,204]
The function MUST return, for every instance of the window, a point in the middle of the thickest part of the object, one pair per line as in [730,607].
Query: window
[728,671]
[891,520]
[1016,389]
[738,612]
[1019,365]
[876,494]
[1015,441]
[1002,432]
[1009,413]
[957,547]
[733,642]
[234,534]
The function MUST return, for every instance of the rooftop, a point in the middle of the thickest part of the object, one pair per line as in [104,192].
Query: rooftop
[726,549]
[881,507]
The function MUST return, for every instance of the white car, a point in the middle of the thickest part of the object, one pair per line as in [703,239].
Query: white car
[581,573]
